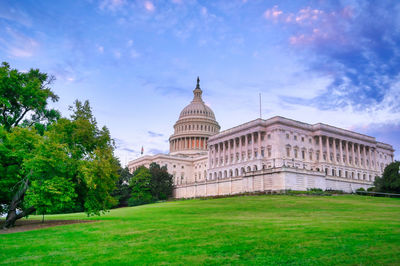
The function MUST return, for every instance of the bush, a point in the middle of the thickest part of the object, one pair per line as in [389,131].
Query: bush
[361,189]
[140,198]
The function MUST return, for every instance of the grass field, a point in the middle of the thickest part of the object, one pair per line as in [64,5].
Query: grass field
[240,230]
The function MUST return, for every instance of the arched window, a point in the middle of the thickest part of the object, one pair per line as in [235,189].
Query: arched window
[225,174]
[242,171]
[248,169]
[255,168]
[230,173]
[236,172]
[220,174]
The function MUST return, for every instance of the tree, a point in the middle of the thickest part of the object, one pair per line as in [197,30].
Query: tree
[23,94]
[161,183]
[122,193]
[140,187]
[71,166]
[390,180]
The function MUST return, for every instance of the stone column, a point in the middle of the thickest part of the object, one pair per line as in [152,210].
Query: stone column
[347,153]
[376,163]
[229,151]
[370,157]
[353,154]
[252,146]
[259,144]
[365,157]
[209,160]
[341,151]
[334,151]
[328,152]
[247,146]
[234,150]
[320,149]
[359,155]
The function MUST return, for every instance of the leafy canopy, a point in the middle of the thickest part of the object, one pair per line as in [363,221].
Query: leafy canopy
[23,94]
[390,180]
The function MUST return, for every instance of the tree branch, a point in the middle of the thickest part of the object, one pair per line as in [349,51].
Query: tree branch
[22,116]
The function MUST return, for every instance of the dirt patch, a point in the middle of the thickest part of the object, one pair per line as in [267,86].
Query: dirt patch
[23,225]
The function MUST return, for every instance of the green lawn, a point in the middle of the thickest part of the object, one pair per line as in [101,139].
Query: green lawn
[240,230]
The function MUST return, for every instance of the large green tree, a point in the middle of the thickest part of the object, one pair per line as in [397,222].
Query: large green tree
[161,183]
[50,164]
[140,187]
[122,193]
[71,167]
[390,180]
[24,98]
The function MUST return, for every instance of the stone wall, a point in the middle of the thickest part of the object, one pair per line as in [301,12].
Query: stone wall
[277,179]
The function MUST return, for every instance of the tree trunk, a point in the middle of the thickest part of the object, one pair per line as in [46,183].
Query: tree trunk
[12,215]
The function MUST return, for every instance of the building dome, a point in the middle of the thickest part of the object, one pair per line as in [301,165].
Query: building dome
[195,124]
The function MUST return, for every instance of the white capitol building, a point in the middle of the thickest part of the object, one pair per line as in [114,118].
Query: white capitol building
[265,155]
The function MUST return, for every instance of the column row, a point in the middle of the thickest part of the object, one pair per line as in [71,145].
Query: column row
[241,148]
[346,153]
[188,143]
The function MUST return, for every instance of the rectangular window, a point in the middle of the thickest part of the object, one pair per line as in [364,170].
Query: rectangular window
[303,155]
[269,136]
[262,153]
[269,152]
[287,136]
[295,137]
[288,152]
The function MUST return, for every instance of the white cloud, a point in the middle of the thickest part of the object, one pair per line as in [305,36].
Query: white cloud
[204,11]
[18,45]
[130,43]
[117,54]
[112,5]
[134,53]
[100,49]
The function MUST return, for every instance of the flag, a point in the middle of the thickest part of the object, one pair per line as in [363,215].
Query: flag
[142,151]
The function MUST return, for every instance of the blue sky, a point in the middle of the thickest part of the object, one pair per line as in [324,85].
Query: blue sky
[335,62]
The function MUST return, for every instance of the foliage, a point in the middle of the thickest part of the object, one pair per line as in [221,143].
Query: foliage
[71,167]
[16,147]
[140,187]
[150,184]
[50,195]
[161,183]
[390,180]
[22,94]
[122,193]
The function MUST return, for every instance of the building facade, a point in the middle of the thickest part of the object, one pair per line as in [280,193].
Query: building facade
[265,155]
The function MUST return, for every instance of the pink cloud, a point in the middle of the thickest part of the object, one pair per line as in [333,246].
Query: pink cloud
[313,26]
[273,13]
[149,6]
